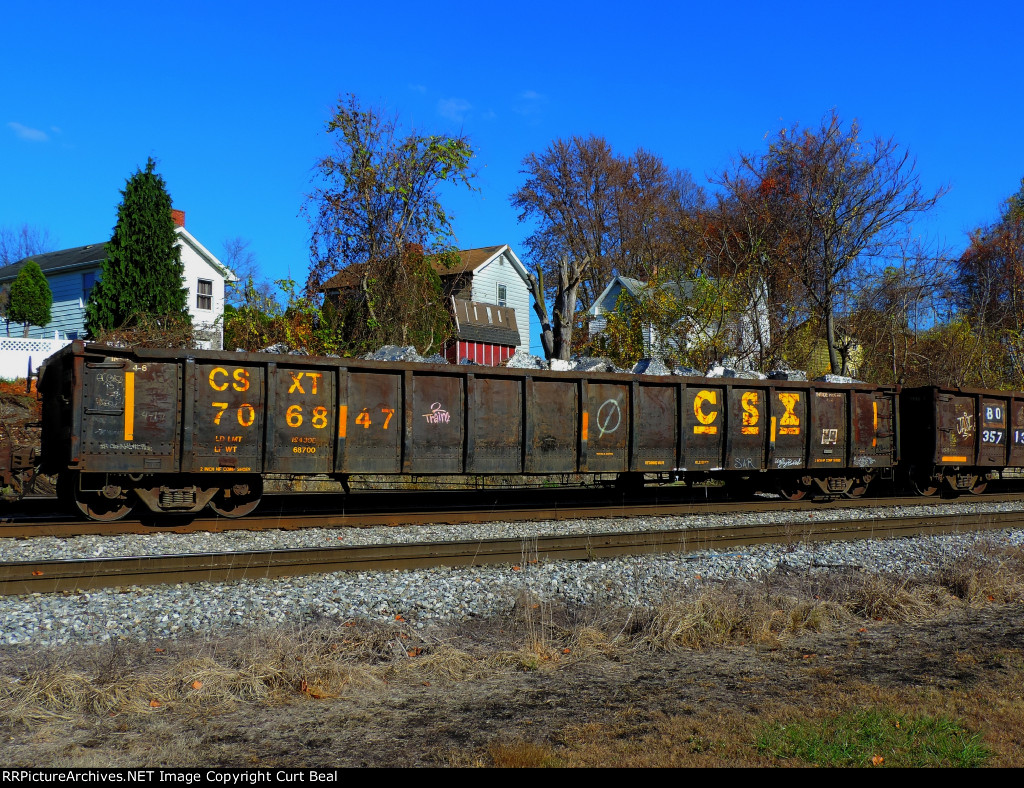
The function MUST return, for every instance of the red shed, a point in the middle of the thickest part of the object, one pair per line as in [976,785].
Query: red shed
[484,333]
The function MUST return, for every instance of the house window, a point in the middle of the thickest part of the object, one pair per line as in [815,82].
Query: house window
[502,296]
[88,280]
[204,294]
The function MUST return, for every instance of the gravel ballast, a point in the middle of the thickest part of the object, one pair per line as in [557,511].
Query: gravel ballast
[441,595]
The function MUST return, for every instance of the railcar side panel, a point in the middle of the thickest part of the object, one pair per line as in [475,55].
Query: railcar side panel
[437,423]
[1016,433]
[871,442]
[787,437]
[129,416]
[746,443]
[992,434]
[957,427]
[227,418]
[703,428]
[606,428]
[552,425]
[918,422]
[370,422]
[301,429]
[494,436]
[827,438]
[654,427]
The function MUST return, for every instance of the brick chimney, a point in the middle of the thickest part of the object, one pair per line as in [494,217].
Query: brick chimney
[178,217]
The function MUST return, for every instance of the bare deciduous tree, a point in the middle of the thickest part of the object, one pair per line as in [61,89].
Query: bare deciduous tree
[597,214]
[834,201]
[17,243]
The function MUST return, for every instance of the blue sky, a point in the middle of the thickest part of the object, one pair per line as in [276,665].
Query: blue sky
[231,99]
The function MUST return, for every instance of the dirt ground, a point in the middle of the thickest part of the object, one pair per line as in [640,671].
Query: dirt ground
[416,722]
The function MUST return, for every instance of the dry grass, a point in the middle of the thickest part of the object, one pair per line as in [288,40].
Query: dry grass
[198,680]
[271,667]
[987,574]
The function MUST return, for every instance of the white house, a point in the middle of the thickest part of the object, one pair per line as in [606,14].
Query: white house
[489,293]
[71,274]
[493,275]
[746,331]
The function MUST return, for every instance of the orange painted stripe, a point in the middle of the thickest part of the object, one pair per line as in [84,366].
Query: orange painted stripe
[586,423]
[874,407]
[954,459]
[774,420]
[129,406]
[342,420]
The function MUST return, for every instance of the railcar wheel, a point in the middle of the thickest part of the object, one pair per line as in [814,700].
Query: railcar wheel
[980,487]
[794,490]
[106,506]
[239,499]
[924,484]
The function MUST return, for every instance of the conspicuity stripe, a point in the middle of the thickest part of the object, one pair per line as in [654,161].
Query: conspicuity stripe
[129,406]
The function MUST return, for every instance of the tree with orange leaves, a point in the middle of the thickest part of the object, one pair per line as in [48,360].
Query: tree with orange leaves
[990,272]
[825,202]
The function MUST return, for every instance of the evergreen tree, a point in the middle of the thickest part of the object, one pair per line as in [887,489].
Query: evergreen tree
[143,273]
[30,297]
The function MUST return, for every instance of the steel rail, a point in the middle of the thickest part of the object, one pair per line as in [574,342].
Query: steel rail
[27,577]
[366,515]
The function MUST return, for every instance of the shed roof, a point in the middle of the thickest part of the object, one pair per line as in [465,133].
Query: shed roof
[479,322]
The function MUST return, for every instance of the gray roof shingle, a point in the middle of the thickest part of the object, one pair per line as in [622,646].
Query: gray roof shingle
[78,257]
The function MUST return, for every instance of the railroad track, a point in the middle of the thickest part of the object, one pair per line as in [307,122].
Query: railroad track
[373,509]
[84,574]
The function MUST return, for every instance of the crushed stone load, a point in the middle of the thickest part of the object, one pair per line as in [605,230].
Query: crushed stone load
[645,366]
[787,374]
[595,364]
[283,349]
[521,360]
[408,353]
[651,366]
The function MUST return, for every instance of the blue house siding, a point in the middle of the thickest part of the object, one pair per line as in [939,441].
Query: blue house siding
[70,271]
[67,315]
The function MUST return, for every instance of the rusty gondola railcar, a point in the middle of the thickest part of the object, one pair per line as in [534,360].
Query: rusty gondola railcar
[178,431]
[958,440]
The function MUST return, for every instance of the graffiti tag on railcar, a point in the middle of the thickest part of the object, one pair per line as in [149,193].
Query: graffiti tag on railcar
[965,425]
[437,415]
[609,417]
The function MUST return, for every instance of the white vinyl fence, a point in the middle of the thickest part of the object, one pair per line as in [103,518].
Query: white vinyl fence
[17,355]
